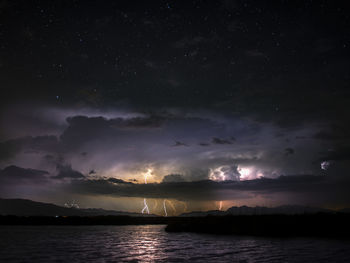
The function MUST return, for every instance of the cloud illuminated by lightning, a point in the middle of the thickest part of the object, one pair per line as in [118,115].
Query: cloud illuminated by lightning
[147,174]
[325,165]
[224,173]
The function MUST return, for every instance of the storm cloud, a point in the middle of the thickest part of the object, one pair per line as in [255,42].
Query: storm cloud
[208,100]
[310,187]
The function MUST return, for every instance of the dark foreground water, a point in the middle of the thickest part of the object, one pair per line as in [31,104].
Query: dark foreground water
[151,243]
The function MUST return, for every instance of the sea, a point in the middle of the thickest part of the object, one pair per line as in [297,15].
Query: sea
[150,243]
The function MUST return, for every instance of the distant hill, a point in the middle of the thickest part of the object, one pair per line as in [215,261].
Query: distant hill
[23,207]
[345,210]
[204,213]
[260,210]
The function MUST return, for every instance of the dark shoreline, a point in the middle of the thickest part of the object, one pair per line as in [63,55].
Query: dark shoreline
[308,225]
[313,225]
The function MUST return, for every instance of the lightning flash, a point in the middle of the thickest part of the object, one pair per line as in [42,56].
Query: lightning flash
[145,208]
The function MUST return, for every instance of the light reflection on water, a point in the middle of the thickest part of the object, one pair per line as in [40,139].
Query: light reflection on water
[152,244]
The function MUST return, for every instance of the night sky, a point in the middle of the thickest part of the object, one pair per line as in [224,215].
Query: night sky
[200,103]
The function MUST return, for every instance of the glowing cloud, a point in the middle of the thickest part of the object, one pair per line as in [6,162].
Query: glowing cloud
[325,165]
[224,173]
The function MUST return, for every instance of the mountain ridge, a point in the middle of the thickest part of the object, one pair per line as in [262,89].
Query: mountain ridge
[262,210]
[26,207]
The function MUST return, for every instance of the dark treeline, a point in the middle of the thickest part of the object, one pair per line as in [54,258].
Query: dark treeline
[316,225]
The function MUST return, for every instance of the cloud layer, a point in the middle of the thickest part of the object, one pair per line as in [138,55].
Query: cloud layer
[217,157]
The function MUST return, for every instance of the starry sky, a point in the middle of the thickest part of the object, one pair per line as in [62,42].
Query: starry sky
[204,104]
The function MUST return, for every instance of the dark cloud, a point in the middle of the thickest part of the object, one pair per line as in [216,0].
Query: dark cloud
[138,122]
[278,135]
[117,181]
[131,145]
[171,178]
[232,138]
[288,151]
[291,183]
[216,140]
[116,123]
[178,143]
[84,129]
[341,154]
[336,132]
[324,135]
[187,71]
[310,186]
[15,175]
[66,171]
[9,148]
[201,190]
[53,160]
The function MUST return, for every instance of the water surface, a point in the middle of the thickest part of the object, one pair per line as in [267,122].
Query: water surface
[150,243]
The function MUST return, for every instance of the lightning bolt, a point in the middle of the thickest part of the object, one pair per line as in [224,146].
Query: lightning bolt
[164,205]
[172,206]
[145,208]
[220,205]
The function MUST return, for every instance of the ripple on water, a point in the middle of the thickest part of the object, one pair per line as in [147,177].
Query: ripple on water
[153,244]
